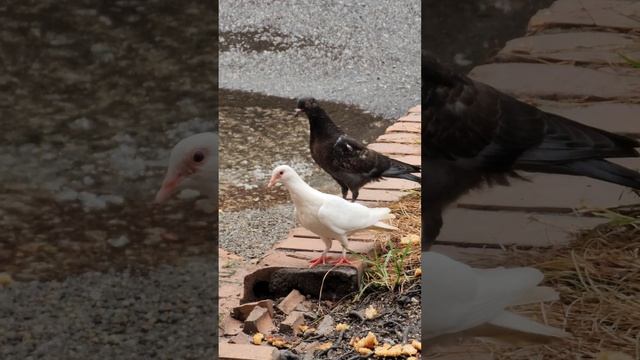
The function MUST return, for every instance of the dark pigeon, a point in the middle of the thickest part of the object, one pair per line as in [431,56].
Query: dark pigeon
[347,160]
[472,134]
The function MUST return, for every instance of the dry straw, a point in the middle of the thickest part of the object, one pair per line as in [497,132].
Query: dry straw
[598,277]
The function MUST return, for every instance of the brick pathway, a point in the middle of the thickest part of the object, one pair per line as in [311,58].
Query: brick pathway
[568,64]
[400,141]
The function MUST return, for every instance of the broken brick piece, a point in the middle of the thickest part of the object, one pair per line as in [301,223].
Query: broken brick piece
[259,320]
[290,325]
[247,352]
[289,303]
[241,312]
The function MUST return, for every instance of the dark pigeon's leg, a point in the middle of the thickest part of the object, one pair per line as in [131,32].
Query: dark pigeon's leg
[343,187]
[354,193]
[345,190]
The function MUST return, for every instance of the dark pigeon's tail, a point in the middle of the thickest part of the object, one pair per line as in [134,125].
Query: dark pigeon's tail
[401,170]
[606,171]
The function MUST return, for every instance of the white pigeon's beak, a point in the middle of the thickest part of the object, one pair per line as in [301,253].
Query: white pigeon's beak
[274,180]
[169,186]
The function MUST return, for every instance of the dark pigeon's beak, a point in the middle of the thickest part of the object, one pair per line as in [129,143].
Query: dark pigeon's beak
[298,111]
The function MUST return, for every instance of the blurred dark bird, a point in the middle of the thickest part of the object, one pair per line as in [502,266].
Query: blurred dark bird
[347,160]
[473,134]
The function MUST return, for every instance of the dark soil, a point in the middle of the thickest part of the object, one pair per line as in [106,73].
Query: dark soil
[397,322]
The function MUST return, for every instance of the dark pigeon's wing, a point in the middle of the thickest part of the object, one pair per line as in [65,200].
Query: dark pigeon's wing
[352,156]
[474,124]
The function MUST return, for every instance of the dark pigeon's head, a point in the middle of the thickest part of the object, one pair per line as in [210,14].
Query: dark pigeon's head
[307,105]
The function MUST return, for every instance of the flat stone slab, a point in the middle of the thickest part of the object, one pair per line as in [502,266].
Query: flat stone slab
[400,137]
[465,226]
[392,184]
[310,244]
[553,81]
[556,193]
[395,148]
[247,352]
[581,47]
[409,159]
[617,14]
[357,236]
[380,195]
[411,117]
[416,109]
[412,127]
[614,117]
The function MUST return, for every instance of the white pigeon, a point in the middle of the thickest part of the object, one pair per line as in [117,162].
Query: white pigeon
[329,216]
[193,164]
[461,301]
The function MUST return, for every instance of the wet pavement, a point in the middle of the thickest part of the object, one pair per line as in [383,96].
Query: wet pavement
[364,53]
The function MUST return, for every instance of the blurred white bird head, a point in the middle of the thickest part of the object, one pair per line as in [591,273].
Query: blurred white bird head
[192,165]
[283,174]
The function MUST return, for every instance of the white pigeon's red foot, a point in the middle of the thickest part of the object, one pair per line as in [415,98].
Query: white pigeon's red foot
[342,261]
[319,261]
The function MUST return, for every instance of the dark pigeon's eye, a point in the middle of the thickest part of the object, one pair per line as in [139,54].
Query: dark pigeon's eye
[198,156]
[281,172]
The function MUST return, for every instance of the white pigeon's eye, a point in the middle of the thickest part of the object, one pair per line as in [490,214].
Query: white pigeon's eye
[198,156]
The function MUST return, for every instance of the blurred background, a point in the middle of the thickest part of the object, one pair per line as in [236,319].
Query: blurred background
[93,96]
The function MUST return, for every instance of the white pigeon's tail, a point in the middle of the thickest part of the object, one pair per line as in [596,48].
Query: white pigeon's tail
[518,330]
[537,295]
[379,214]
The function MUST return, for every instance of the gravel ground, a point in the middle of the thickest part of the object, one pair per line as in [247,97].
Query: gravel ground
[165,314]
[254,231]
[365,54]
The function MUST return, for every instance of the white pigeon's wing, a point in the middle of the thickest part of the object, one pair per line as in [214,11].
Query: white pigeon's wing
[343,216]
[458,297]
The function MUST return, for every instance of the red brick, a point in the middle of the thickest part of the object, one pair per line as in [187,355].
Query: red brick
[411,127]
[395,148]
[247,352]
[289,303]
[411,117]
[416,109]
[400,137]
